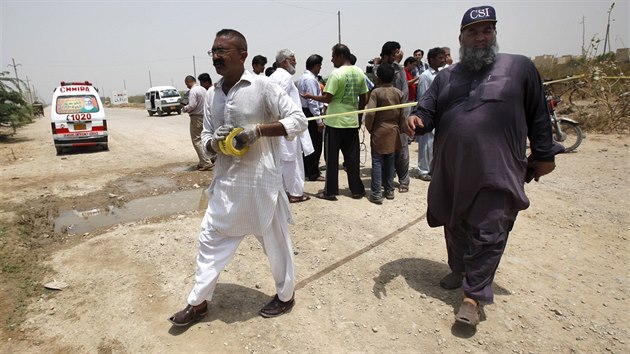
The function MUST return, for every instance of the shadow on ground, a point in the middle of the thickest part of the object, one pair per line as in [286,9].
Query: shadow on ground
[424,276]
[79,150]
[9,139]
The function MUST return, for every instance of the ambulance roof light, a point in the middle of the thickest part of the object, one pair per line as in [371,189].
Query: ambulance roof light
[85,83]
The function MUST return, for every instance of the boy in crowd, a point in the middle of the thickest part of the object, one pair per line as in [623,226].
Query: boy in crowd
[384,129]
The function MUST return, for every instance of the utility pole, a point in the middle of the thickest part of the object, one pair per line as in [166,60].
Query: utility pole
[339,25]
[583,31]
[150,82]
[194,67]
[607,40]
[124,85]
[17,79]
[28,89]
[623,45]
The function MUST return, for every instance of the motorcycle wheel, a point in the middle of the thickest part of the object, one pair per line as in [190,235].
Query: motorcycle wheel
[573,137]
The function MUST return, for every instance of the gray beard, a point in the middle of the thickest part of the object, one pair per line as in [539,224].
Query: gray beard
[290,69]
[475,59]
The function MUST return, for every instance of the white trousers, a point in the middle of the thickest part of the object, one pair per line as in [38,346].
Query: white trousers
[425,152]
[216,251]
[293,176]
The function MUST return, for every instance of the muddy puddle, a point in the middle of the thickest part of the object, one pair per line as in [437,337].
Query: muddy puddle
[83,221]
[142,184]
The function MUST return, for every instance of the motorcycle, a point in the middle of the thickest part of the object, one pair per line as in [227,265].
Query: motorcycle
[565,130]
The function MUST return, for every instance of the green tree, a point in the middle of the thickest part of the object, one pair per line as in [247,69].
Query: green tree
[14,110]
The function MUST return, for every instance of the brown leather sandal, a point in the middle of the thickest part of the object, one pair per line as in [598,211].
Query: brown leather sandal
[468,313]
[299,199]
[189,315]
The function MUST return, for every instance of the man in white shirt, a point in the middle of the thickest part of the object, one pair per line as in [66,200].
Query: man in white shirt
[291,150]
[194,108]
[448,60]
[437,59]
[246,195]
[206,82]
[309,84]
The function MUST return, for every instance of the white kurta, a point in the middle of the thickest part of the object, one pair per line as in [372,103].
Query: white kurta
[245,191]
[207,103]
[291,150]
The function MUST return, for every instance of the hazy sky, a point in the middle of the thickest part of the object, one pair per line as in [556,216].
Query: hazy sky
[114,42]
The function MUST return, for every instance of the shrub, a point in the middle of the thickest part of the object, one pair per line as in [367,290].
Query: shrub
[14,110]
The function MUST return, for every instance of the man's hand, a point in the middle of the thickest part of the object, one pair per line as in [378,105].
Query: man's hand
[413,121]
[537,169]
[248,136]
[219,135]
[542,168]
[320,127]
[306,96]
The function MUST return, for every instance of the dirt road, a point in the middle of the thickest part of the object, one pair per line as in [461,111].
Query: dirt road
[367,274]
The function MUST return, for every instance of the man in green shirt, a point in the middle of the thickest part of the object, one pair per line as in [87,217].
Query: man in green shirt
[345,91]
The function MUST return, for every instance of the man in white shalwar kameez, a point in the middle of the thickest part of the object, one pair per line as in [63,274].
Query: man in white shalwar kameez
[246,195]
[291,150]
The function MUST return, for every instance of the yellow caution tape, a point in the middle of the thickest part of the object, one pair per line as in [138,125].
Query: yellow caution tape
[565,79]
[581,76]
[222,147]
[227,146]
[377,109]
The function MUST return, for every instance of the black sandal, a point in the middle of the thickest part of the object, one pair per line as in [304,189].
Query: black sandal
[323,195]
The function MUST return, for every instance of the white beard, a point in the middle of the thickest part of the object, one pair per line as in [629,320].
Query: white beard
[290,69]
[475,59]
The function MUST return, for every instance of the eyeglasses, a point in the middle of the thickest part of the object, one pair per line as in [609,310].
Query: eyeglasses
[220,52]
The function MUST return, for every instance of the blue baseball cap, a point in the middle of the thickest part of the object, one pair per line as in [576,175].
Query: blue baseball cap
[478,14]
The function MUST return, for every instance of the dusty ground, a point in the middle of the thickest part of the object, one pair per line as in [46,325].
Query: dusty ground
[367,274]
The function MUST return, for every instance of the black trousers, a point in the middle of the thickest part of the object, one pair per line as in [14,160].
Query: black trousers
[311,162]
[475,245]
[346,140]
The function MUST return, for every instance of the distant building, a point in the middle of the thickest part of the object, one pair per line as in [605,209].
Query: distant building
[564,59]
[547,61]
[544,61]
[622,55]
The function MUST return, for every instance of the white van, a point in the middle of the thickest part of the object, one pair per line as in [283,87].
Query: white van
[162,99]
[77,116]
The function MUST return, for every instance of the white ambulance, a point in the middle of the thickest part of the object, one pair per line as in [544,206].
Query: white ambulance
[77,116]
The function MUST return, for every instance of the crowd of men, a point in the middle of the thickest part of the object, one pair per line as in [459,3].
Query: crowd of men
[472,121]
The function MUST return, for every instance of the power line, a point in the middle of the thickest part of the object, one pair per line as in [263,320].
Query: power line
[302,7]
